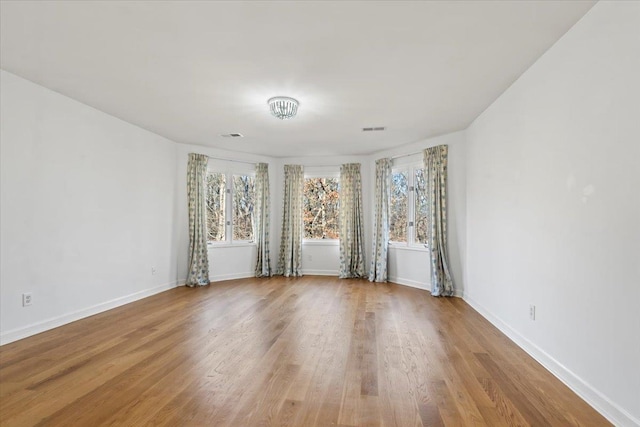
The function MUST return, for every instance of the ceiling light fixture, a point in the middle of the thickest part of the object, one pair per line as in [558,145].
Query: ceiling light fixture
[283,107]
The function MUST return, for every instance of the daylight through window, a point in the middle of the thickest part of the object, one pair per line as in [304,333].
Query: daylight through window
[399,206]
[216,191]
[230,201]
[243,199]
[408,206]
[320,209]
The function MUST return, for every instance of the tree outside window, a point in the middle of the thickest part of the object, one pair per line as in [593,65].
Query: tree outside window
[408,206]
[228,222]
[421,206]
[216,192]
[243,200]
[320,209]
[399,206]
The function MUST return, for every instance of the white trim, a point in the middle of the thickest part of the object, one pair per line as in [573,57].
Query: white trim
[611,411]
[412,283]
[413,159]
[54,322]
[232,276]
[320,242]
[321,272]
[232,244]
[458,293]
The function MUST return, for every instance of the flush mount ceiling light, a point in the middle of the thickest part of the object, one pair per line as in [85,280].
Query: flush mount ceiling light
[283,107]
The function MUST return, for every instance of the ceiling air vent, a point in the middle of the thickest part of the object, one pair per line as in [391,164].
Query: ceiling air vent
[373,129]
[232,135]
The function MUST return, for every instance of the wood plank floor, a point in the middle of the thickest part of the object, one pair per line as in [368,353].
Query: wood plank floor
[312,351]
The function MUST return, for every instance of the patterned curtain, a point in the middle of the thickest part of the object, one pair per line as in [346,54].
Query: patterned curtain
[196,188]
[351,224]
[435,164]
[378,269]
[290,260]
[261,221]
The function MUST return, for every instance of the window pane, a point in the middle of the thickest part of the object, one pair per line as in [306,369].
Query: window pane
[320,211]
[216,186]
[399,207]
[421,206]
[243,197]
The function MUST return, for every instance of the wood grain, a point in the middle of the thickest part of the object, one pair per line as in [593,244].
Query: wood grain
[310,351]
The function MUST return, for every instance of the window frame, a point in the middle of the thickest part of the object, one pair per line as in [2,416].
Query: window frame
[322,172]
[410,168]
[229,171]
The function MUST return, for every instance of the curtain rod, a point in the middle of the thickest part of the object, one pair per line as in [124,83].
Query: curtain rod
[231,160]
[405,155]
[310,166]
[251,163]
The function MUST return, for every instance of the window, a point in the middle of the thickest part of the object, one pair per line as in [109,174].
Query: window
[399,206]
[320,208]
[408,206]
[421,206]
[216,192]
[243,199]
[230,200]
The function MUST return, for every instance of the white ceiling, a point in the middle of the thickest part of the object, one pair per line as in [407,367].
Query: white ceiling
[191,71]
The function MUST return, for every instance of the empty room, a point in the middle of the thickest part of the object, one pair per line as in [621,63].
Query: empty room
[320,213]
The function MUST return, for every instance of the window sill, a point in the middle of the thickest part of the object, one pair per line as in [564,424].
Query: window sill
[404,247]
[321,242]
[230,245]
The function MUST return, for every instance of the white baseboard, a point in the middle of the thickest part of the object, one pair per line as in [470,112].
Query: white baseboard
[321,272]
[221,277]
[411,283]
[54,322]
[421,285]
[614,413]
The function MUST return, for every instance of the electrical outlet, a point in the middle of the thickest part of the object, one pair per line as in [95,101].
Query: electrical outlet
[532,312]
[27,299]
[153,271]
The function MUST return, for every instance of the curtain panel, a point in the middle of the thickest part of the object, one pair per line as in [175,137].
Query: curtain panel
[261,221]
[435,164]
[198,255]
[290,259]
[380,241]
[351,223]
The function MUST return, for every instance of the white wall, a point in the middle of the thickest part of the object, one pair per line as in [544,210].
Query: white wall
[322,258]
[409,266]
[225,262]
[554,210]
[87,209]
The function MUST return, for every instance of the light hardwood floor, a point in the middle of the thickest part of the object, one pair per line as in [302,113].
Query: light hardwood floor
[312,351]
